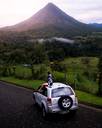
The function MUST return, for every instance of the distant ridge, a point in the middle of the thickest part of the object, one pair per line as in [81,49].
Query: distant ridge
[51,21]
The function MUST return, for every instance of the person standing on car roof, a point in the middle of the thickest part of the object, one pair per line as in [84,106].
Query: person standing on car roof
[49,79]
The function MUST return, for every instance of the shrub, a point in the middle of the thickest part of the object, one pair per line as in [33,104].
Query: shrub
[59,77]
[58,66]
[86,85]
[23,72]
[40,72]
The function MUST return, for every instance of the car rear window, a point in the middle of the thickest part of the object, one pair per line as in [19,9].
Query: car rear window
[61,91]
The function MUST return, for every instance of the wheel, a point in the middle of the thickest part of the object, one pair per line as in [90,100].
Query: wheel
[65,102]
[44,113]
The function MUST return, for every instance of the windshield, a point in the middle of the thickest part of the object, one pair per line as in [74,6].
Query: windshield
[61,91]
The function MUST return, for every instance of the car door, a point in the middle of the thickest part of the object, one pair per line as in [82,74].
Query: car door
[42,96]
[36,93]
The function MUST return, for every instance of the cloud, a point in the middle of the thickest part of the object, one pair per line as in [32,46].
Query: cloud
[84,10]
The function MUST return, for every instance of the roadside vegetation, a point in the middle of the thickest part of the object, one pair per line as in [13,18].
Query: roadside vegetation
[89,99]
[30,84]
[80,73]
[78,64]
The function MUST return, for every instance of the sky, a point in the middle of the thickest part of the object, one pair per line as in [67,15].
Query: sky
[15,11]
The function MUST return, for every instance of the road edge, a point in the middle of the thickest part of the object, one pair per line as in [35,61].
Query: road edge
[82,104]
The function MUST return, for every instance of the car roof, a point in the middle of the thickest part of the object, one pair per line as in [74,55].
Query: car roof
[55,85]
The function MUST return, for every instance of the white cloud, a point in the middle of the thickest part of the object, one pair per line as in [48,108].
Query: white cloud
[84,10]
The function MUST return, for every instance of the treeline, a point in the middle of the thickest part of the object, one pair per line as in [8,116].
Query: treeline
[36,52]
[90,45]
[82,46]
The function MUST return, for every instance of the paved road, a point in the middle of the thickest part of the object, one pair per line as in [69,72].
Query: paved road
[17,111]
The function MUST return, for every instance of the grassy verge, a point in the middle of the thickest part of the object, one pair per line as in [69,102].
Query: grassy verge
[33,84]
[89,98]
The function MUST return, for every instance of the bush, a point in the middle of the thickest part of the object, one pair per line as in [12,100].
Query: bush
[59,77]
[40,72]
[58,66]
[86,85]
[4,71]
[23,72]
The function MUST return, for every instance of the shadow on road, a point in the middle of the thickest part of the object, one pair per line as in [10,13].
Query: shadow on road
[31,116]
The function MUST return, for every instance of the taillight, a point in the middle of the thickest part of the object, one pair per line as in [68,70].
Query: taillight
[49,101]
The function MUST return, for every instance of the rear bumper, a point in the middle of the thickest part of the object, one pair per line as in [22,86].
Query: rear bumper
[58,110]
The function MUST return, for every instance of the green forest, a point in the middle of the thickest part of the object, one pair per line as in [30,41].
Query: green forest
[78,64]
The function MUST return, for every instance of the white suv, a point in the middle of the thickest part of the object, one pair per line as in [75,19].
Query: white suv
[59,98]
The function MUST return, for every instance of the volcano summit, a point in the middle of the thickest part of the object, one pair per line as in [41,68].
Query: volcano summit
[51,21]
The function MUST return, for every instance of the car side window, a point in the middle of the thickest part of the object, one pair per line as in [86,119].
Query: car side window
[43,91]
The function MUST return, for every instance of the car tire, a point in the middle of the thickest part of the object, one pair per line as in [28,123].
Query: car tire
[65,102]
[44,113]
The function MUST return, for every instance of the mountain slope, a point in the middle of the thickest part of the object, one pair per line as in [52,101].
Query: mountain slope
[51,21]
[49,15]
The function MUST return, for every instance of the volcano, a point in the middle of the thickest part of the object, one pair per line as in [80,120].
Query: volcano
[51,21]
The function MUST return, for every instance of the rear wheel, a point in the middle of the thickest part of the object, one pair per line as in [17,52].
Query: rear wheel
[65,102]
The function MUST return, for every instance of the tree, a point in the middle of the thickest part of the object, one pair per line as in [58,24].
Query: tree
[100,76]
[36,55]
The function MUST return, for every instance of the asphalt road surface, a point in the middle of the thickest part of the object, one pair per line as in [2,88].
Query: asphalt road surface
[18,111]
